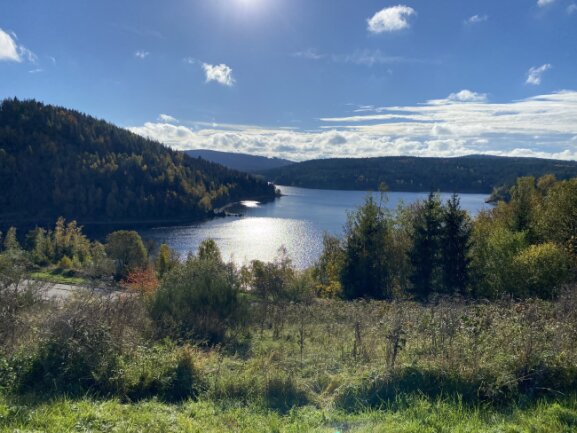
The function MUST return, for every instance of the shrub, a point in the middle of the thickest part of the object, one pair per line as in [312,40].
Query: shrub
[128,251]
[143,281]
[66,263]
[81,345]
[163,371]
[541,270]
[282,393]
[18,296]
[200,300]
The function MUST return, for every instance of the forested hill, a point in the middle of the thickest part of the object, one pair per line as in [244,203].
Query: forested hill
[239,161]
[55,161]
[469,174]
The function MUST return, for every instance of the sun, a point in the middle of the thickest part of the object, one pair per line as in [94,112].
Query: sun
[251,4]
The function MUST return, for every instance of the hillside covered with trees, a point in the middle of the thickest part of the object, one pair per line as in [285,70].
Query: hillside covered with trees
[239,161]
[469,174]
[55,161]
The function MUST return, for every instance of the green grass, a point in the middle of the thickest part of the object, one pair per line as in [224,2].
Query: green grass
[326,367]
[421,416]
[57,278]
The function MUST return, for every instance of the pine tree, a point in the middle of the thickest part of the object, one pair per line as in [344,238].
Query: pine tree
[455,245]
[424,253]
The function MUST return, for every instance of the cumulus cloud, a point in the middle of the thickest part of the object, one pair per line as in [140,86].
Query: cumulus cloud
[541,126]
[11,51]
[543,3]
[390,19]
[535,74]
[476,19]
[467,96]
[141,54]
[166,118]
[222,74]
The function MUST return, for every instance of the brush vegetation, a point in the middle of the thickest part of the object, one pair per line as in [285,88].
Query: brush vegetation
[417,320]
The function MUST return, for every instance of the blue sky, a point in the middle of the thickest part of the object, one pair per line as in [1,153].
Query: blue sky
[305,79]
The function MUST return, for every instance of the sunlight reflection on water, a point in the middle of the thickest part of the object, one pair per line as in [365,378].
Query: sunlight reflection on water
[297,220]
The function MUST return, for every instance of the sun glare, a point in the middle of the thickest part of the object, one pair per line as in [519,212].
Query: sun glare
[250,3]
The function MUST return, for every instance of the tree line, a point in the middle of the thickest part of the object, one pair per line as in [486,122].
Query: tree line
[525,247]
[469,174]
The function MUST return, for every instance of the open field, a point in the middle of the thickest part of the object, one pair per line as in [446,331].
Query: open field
[332,366]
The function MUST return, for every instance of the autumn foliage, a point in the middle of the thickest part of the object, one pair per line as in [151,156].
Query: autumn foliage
[141,280]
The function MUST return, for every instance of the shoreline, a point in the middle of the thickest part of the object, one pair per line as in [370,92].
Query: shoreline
[97,225]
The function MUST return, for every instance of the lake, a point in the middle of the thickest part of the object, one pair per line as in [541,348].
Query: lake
[297,220]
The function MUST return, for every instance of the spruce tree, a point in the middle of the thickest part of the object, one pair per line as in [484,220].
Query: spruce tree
[365,272]
[455,245]
[424,254]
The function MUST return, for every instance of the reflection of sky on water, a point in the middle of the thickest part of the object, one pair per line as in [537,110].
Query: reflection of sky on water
[296,220]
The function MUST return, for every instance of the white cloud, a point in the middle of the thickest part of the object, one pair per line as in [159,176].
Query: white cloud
[310,54]
[8,48]
[369,58]
[365,57]
[535,74]
[572,8]
[222,74]
[543,3]
[475,19]
[141,54]
[541,126]
[467,96]
[390,19]
[167,118]
[189,60]
[36,71]
[11,51]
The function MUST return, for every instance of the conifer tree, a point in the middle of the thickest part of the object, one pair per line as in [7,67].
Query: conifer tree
[455,245]
[11,243]
[424,253]
[366,270]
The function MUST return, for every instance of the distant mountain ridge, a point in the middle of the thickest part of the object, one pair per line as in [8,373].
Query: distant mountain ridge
[60,162]
[239,161]
[467,174]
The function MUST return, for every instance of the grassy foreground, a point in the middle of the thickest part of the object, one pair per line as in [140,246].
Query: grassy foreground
[331,367]
[420,415]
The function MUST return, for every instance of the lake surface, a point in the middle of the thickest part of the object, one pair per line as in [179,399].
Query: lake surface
[297,220]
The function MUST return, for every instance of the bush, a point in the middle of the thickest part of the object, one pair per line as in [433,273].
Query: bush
[282,394]
[541,270]
[127,250]
[18,296]
[199,300]
[80,349]
[164,371]
[65,263]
